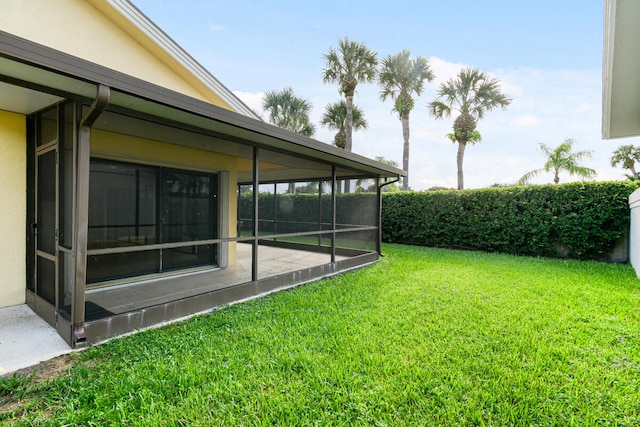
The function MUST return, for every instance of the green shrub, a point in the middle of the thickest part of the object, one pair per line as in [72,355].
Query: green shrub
[578,220]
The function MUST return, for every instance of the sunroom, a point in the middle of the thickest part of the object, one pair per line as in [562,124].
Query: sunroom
[145,205]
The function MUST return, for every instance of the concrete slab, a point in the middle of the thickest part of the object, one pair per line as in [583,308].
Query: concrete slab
[26,339]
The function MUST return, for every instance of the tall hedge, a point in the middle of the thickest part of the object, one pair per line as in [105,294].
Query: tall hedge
[578,220]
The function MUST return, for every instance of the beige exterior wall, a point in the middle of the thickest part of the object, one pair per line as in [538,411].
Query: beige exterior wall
[95,31]
[13,166]
[138,150]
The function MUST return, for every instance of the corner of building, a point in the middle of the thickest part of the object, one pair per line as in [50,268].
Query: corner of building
[13,166]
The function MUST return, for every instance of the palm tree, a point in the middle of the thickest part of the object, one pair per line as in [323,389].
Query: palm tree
[401,77]
[471,94]
[627,156]
[335,118]
[350,64]
[561,159]
[289,111]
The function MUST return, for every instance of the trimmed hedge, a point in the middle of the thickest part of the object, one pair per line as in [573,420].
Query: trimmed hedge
[577,220]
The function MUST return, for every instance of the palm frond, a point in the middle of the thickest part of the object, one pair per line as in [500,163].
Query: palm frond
[401,77]
[439,109]
[530,175]
[288,111]
[351,62]
[581,171]
[335,116]
[473,92]
[563,158]
[627,156]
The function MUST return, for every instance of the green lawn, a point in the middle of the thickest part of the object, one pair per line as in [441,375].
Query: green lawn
[424,337]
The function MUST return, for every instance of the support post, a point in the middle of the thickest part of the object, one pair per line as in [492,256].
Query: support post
[379,216]
[254,244]
[81,222]
[379,245]
[333,213]
[319,213]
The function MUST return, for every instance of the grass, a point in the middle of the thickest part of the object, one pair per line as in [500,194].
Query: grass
[425,337]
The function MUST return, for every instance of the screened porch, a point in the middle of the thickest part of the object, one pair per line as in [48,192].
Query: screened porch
[145,205]
[303,230]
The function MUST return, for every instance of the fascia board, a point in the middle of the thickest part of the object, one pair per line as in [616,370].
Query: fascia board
[621,61]
[607,65]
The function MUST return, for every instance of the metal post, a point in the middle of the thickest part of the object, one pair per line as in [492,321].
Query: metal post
[319,213]
[333,213]
[275,209]
[254,249]
[82,211]
[379,216]
[379,245]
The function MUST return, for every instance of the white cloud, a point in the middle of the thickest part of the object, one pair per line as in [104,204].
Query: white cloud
[586,107]
[444,70]
[526,121]
[215,27]
[252,99]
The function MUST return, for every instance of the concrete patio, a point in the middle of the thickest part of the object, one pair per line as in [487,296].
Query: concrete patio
[26,339]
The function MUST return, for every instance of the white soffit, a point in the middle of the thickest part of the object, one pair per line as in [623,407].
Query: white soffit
[24,101]
[621,69]
[144,24]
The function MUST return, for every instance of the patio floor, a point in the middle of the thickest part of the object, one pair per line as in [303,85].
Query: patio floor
[26,339]
[132,296]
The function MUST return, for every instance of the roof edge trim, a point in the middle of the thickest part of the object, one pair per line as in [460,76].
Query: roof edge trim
[607,65]
[155,33]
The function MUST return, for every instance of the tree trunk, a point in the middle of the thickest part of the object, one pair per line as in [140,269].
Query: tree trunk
[405,150]
[348,123]
[340,139]
[349,133]
[459,160]
[633,172]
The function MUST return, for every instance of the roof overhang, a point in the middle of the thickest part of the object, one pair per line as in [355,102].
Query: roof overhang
[621,69]
[38,76]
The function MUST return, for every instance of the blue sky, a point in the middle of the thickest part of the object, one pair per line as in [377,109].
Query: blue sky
[546,53]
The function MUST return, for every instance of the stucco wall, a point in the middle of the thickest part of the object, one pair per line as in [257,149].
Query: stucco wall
[139,150]
[13,208]
[634,237]
[101,35]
